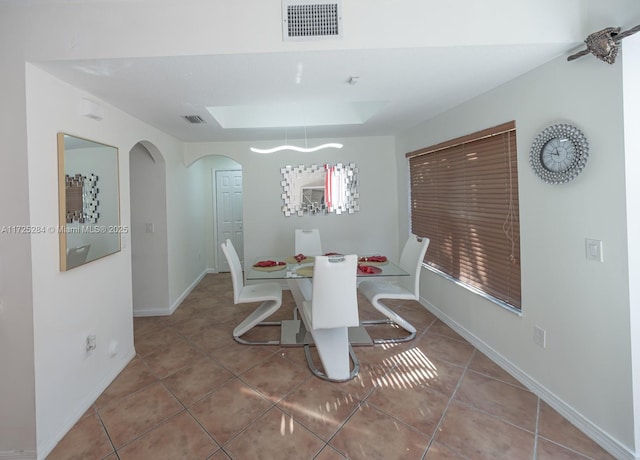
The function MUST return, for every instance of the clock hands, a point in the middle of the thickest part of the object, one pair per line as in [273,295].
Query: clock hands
[555,154]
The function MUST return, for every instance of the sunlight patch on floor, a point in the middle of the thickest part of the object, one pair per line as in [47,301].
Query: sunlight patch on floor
[413,368]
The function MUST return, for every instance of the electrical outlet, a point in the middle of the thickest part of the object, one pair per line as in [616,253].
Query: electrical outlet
[540,336]
[91,343]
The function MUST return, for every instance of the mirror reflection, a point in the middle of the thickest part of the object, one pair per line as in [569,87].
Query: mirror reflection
[320,189]
[89,208]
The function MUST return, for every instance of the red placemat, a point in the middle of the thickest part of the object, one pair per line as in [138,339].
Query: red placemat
[299,259]
[373,260]
[368,269]
[269,265]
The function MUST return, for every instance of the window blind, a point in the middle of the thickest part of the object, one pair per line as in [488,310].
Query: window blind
[464,197]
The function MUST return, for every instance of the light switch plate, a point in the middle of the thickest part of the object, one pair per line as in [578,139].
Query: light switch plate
[594,249]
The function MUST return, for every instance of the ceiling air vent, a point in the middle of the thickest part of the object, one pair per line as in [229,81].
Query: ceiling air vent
[194,119]
[311,19]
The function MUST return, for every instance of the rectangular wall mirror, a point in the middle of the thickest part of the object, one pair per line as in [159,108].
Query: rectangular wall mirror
[88,200]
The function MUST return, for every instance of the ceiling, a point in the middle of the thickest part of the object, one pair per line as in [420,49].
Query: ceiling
[298,94]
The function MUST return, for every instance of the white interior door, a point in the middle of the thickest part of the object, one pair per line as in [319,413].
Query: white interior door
[229,214]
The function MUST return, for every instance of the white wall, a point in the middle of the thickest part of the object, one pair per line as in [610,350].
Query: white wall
[186,196]
[33,31]
[266,229]
[17,386]
[68,306]
[631,77]
[149,251]
[585,370]
[97,297]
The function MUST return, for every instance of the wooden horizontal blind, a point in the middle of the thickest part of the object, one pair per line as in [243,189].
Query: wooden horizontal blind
[464,197]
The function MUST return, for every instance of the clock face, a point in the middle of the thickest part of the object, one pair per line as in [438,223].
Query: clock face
[558,154]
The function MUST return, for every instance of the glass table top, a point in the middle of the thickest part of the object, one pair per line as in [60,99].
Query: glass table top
[305,270]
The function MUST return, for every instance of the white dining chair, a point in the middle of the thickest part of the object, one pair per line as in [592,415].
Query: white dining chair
[307,242]
[333,308]
[406,288]
[269,294]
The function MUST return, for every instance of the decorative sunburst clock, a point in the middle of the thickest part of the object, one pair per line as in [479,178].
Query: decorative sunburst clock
[559,153]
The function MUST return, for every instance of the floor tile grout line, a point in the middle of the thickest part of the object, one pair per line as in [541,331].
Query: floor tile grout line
[106,431]
[150,429]
[311,376]
[467,368]
[352,413]
[121,398]
[158,380]
[581,454]
[204,429]
[325,443]
[519,386]
[262,414]
[358,406]
[208,354]
[446,409]
[236,376]
[388,370]
[435,430]
[494,416]
[349,417]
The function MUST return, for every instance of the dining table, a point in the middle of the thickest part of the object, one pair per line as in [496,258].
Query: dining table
[297,271]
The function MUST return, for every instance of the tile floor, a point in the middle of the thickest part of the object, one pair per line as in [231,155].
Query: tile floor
[192,392]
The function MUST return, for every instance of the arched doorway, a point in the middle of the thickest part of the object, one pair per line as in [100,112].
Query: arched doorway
[149,254]
[225,192]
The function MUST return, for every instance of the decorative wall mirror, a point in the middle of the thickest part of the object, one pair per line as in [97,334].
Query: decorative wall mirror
[88,200]
[320,189]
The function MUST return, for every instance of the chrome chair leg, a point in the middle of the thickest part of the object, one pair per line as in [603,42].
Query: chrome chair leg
[318,373]
[239,339]
[408,338]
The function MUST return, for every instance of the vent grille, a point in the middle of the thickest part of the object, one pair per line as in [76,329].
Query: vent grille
[305,20]
[194,119]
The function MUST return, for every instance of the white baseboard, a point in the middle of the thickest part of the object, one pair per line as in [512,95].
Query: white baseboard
[18,455]
[187,291]
[599,436]
[176,304]
[152,312]
[47,446]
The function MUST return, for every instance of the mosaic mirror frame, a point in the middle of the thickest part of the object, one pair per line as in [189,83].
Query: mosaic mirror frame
[320,189]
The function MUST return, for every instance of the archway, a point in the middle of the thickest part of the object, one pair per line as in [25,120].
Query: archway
[217,166]
[149,253]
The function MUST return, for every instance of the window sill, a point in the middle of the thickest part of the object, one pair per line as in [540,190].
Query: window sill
[490,298]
